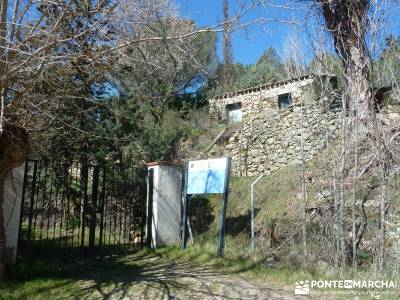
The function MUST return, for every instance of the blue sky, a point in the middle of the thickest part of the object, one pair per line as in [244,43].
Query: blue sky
[248,45]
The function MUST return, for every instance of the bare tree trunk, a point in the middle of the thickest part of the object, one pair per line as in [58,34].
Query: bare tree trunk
[3,29]
[381,257]
[3,33]
[342,201]
[2,229]
[348,23]
[228,70]
[359,91]
[303,187]
[14,149]
[385,165]
[336,213]
[354,203]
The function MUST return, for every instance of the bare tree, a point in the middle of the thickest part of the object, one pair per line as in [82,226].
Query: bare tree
[228,71]
[347,21]
[294,62]
[158,70]
[350,23]
[32,42]
[37,38]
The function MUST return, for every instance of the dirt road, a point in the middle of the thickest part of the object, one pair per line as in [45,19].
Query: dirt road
[159,279]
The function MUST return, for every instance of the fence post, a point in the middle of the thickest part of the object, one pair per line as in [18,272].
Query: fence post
[221,238]
[252,209]
[21,215]
[185,206]
[103,195]
[93,210]
[32,199]
[84,182]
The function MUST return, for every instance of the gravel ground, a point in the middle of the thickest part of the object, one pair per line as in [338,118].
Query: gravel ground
[173,280]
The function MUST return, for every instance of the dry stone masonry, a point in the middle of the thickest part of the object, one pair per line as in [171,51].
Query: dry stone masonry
[278,124]
[261,98]
[270,135]
[272,140]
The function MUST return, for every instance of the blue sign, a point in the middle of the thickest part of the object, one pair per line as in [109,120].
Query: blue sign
[207,176]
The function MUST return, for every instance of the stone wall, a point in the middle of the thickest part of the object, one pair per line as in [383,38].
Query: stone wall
[271,140]
[261,98]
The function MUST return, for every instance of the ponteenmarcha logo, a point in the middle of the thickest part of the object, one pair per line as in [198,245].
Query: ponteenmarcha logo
[307,287]
[302,288]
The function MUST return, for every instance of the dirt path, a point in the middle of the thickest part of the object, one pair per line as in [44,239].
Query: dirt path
[173,280]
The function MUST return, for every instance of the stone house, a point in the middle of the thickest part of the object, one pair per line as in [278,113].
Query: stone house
[237,106]
[270,122]
[275,125]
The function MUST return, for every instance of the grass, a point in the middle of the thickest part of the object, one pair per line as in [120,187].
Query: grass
[79,278]
[274,193]
[280,275]
[62,276]
[82,278]
[113,274]
[36,280]
[276,200]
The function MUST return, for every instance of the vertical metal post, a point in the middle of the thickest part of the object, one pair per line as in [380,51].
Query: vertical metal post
[221,238]
[62,215]
[42,210]
[72,182]
[150,178]
[32,200]
[252,209]
[121,208]
[109,208]
[188,225]
[115,210]
[84,182]
[103,195]
[68,188]
[93,210]
[56,205]
[21,214]
[185,206]
[36,208]
[50,199]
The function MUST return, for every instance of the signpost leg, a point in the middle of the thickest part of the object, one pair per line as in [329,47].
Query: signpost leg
[188,225]
[185,207]
[221,238]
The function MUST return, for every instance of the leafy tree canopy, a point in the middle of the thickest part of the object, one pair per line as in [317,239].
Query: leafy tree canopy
[267,69]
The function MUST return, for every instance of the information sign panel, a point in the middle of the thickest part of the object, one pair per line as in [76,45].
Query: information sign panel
[207,176]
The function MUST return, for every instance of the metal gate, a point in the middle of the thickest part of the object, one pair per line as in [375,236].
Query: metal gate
[70,205]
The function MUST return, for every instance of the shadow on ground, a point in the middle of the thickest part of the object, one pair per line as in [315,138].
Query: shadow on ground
[144,275]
